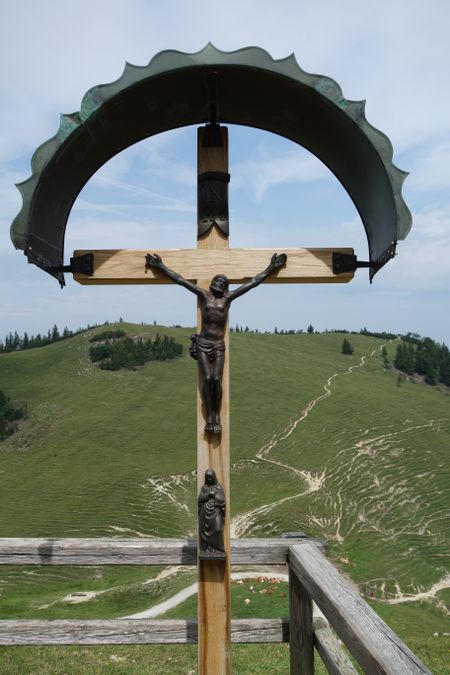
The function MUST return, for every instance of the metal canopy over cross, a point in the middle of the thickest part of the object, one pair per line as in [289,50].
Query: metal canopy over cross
[212,256]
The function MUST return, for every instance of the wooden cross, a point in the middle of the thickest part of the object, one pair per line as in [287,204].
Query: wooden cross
[213,256]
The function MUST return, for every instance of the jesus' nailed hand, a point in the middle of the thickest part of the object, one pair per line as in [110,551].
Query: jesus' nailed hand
[208,347]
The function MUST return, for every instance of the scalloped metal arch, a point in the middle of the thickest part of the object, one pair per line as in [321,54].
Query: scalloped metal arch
[176,89]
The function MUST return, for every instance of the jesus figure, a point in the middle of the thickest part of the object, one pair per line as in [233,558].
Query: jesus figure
[208,347]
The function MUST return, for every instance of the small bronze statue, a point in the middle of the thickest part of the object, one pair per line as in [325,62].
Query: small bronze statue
[211,518]
[209,346]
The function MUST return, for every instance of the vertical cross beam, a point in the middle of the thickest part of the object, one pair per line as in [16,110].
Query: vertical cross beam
[213,451]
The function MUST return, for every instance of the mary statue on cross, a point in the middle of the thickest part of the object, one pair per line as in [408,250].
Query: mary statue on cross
[211,517]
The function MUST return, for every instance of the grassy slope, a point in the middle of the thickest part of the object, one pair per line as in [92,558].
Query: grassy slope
[367,468]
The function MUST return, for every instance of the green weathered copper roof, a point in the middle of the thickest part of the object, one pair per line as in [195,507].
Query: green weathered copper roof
[244,87]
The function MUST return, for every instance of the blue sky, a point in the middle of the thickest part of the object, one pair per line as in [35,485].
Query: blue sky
[396,55]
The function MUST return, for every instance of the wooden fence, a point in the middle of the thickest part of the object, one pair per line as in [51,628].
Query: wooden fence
[312,579]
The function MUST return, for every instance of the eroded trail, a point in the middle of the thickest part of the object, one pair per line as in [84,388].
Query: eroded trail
[163,488]
[241,523]
[191,590]
[368,488]
[400,597]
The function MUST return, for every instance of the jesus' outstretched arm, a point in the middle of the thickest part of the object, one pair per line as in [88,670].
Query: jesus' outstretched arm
[277,261]
[154,261]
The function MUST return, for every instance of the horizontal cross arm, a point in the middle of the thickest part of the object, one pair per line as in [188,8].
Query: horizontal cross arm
[304,265]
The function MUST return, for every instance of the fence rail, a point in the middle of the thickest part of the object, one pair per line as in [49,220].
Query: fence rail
[139,551]
[133,631]
[312,579]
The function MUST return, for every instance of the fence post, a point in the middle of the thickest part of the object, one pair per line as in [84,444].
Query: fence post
[301,631]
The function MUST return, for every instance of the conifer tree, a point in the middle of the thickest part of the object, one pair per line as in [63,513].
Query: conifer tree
[409,365]
[346,347]
[399,361]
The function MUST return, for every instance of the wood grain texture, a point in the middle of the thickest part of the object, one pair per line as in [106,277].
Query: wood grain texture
[213,452]
[133,631]
[301,628]
[331,651]
[210,157]
[117,551]
[373,644]
[304,265]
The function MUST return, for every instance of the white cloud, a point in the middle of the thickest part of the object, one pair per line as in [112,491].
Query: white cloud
[158,200]
[90,232]
[266,170]
[430,170]
[423,260]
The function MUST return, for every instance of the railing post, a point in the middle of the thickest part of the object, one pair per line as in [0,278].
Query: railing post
[372,643]
[301,631]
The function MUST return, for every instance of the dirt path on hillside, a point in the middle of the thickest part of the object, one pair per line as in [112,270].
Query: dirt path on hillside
[368,442]
[351,466]
[241,523]
[162,487]
[400,597]
[85,596]
[191,590]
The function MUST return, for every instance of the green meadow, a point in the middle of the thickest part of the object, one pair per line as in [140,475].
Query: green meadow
[330,444]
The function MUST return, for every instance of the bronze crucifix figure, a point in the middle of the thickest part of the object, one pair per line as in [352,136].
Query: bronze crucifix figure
[208,347]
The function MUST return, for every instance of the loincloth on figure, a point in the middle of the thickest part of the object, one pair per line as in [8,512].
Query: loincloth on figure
[212,348]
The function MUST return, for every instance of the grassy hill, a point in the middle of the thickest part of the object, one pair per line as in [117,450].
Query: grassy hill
[321,442]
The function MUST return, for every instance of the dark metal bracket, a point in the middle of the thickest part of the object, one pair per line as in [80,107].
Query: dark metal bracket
[212,137]
[82,264]
[347,262]
[220,176]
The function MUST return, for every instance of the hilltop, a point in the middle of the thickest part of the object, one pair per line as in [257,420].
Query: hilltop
[330,444]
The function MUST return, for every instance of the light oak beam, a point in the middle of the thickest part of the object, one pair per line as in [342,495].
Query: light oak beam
[213,451]
[304,265]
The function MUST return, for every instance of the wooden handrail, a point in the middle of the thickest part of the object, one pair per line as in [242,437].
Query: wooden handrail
[115,551]
[133,631]
[374,645]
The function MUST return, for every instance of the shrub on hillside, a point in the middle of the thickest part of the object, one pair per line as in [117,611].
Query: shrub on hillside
[128,353]
[99,352]
[108,335]
[9,414]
